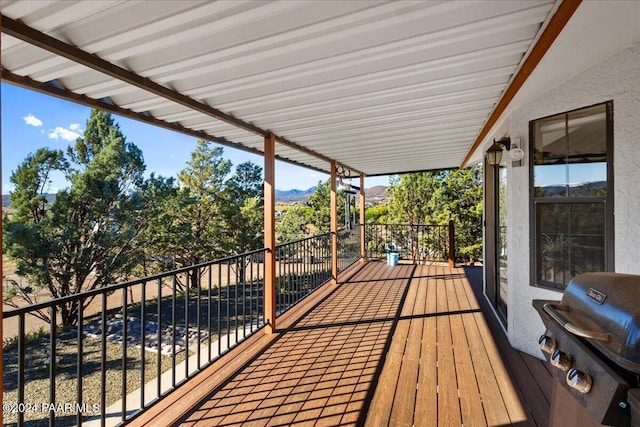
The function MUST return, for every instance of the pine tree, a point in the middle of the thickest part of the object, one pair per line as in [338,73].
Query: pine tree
[86,239]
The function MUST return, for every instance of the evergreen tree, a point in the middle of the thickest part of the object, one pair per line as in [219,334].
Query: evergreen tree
[244,209]
[437,197]
[87,238]
[319,212]
[293,225]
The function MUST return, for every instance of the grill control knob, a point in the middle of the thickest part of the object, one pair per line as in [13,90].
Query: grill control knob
[547,344]
[579,381]
[561,360]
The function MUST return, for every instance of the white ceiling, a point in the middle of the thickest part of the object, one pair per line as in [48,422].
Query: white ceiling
[381,87]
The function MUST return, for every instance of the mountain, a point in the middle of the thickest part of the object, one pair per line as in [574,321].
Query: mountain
[294,195]
[374,193]
[586,189]
[377,192]
[6,201]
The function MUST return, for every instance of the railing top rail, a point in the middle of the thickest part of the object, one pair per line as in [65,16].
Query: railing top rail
[114,287]
[279,245]
[406,225]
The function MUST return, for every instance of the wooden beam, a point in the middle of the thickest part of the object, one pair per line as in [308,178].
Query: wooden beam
[549,35]
[37,38]
[1,275]
[363,248]
[270,232]
[334,224]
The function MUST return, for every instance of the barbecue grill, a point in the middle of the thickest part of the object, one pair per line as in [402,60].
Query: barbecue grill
[593,342]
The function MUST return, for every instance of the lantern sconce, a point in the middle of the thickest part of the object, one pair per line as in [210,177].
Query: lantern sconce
[494,153]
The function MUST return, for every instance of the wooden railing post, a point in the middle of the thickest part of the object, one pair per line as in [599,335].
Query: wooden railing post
[363,248]
[334,225]
[452,245]
[270,233]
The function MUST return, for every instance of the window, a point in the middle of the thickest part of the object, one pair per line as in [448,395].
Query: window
[572,200]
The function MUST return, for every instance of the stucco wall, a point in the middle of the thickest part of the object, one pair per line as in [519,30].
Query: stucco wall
[617,79]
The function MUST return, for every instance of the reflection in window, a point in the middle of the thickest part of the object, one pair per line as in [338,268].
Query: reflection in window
[573,216]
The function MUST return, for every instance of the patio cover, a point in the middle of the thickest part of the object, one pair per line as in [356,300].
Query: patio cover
[380,87]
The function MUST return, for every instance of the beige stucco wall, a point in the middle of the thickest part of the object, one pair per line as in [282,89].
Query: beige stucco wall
[618,79]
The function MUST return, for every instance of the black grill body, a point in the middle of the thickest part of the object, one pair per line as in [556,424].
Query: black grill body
[593,341]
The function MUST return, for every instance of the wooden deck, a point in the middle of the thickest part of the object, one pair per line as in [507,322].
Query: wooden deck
[394,346]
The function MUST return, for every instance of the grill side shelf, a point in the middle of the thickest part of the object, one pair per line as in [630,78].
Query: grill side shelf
[553,309]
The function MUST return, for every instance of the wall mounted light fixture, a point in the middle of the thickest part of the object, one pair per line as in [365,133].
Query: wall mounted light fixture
[494,153]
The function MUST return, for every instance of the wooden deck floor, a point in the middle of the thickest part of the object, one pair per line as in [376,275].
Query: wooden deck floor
[395,346]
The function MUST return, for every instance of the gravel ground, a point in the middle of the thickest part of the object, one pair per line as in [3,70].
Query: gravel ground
[37,377]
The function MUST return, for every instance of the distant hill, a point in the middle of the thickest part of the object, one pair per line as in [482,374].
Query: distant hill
[374,193]
[6,202]
[294,195]
[596,188]
[379,191]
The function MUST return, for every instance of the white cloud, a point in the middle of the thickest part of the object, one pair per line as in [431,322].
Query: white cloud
[8,188]
[313,175]
[66,134]
[75,127]
[32,120]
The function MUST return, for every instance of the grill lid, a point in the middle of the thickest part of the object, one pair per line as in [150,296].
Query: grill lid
[605,309]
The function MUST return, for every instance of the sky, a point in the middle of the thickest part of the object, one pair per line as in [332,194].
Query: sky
[31,120]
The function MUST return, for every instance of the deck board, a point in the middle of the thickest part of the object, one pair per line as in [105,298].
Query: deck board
[395,346]
[427,397]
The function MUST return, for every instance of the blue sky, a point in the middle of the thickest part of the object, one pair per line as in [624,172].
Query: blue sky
[31,120]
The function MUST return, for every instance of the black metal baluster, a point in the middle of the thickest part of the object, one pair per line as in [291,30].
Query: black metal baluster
[296,274]
[52,365]
[235,313]
[103,366]
[219,309]
[198,322]
[159,337]
[143,336]
[80,333]
[280,296]
[124,354]
[173,330]
[251,292]
[186,324]
[21,366]
[209,309]
[244,296]
[228,305]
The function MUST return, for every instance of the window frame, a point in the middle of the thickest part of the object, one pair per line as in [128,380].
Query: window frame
[609,261]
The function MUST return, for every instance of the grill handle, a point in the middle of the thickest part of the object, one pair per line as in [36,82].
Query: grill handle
[552,310]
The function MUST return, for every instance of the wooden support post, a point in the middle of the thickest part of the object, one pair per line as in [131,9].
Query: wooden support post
[270,233]
[1,296]
[363,243]
[452,245]
[334,225]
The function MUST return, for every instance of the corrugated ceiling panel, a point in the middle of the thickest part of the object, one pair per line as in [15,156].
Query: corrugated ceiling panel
[365,83]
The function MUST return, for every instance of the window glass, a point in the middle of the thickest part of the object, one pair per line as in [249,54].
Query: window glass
[570,240]
[570,165]
[571,153]
[587,179]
